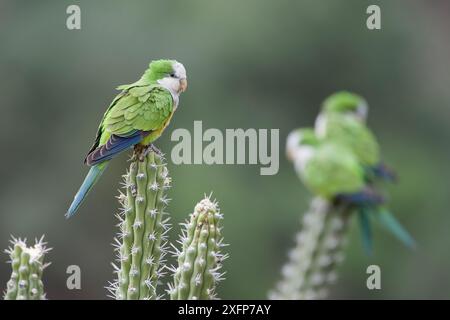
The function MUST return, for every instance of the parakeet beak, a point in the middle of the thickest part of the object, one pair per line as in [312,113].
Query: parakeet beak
[290,155]
[183,85]
[292,144]
[361,112]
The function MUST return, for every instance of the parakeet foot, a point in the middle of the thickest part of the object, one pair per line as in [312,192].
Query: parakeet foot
[156,150]
[152,147]
[139,151]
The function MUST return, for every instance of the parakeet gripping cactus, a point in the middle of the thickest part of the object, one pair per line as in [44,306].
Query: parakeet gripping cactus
[200,259]
[136,117]
[342,120]
[332,171]
[318,252]
[27,267]
[142,241]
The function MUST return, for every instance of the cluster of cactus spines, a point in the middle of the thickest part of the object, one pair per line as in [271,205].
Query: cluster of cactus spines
[142,242]
[312,263]
[200,259]
[27,267]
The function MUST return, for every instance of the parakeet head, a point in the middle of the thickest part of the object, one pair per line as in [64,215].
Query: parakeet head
[300,138]
[169,73]
[347,103]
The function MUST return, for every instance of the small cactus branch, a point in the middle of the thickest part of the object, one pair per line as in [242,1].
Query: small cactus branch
[27,268]
[141,241]
[200,259]
[312,264]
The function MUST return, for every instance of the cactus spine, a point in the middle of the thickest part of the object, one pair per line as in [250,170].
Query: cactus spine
[141,243]
[312,263]
[27,267]
[200,259]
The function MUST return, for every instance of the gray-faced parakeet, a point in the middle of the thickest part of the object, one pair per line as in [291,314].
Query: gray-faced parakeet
[332,171]
[326,168]
[343,120]
[136,117]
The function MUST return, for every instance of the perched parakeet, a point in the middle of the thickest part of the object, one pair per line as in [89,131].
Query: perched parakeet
[136,117]
[342,120]
[332,171]
[327,169]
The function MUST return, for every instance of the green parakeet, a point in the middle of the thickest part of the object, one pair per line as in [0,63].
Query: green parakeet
[327,169]
[136,117]
[332,171]
[342,120]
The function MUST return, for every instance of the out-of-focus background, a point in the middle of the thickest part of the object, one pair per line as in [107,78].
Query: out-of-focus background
[251,64]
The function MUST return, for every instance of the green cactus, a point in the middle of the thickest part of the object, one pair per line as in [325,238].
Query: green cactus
[141,243]
[27,267]
[200,259]
[318,252]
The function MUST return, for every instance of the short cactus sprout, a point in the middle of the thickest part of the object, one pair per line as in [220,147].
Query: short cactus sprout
[27,267]
[200,258]
[313,262]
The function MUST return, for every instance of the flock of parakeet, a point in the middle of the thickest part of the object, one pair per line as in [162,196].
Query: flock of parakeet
[136,117]
[339,160]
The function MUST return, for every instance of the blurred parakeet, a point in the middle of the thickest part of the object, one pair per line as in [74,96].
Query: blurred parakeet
[326,168]
[342,120]
[136,117]
[332,171]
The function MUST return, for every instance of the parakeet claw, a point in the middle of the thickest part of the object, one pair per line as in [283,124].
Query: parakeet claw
[156,150]
[150,148]
[140,152]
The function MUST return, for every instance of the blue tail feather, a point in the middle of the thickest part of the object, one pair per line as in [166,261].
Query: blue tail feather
[366,230]
[90,180]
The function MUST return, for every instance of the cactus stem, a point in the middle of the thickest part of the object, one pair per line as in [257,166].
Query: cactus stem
[199,260]
[27,268]
[312,264]
[142,236]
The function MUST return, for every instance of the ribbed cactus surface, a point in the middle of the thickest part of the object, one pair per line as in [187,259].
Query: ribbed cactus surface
[312,263]
[27,267]
[141,243]
[200,258]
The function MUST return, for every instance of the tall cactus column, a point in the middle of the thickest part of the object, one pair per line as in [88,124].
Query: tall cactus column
[27,267]
[312,264]
[200,259]
[142,239]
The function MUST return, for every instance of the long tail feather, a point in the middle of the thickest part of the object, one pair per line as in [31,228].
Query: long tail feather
[392,224]
[366,230]
[90,180]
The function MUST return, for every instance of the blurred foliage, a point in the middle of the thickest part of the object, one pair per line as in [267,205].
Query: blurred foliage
[251,64]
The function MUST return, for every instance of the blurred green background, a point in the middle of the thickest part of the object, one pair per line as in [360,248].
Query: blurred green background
[251,64]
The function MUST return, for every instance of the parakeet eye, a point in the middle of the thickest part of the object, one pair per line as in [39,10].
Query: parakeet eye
[172,75]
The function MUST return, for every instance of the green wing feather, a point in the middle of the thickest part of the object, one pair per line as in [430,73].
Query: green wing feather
[101,137]
[354,134]
[140,107]
[143,108]
[333,169]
